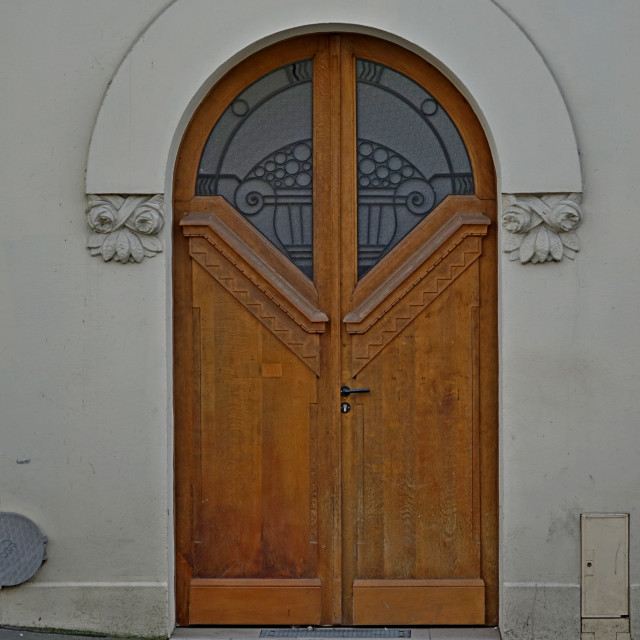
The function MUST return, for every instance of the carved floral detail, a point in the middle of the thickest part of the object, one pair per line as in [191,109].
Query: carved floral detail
[125,228]
[542,228]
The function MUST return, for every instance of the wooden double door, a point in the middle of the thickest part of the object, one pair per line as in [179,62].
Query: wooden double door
[334,204]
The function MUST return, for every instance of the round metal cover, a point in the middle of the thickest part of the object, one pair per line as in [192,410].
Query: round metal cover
[22,549]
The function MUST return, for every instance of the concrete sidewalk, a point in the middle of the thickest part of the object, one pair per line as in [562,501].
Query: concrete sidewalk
[21,634]
[253,633]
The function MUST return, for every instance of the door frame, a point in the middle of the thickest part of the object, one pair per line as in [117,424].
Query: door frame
[482,163]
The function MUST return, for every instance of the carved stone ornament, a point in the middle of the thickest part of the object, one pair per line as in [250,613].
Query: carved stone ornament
[125,228]
[542,228]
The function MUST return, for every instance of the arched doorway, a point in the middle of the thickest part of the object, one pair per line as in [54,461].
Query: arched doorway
[334,198]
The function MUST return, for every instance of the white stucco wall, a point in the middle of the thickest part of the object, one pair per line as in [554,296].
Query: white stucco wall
[157,88]
[85,352]
[570,349]
[83,346]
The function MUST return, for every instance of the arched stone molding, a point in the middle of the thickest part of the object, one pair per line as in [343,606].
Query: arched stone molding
[193,42]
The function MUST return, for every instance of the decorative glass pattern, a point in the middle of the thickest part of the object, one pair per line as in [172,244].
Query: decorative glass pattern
[410,158]
[259,157]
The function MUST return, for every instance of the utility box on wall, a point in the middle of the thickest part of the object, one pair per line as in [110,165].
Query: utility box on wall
[605,575]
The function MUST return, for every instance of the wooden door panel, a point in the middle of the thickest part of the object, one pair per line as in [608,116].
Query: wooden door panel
[229,438]
[260,602]
[258,450]
[418,491]
[256,516]
[418,602]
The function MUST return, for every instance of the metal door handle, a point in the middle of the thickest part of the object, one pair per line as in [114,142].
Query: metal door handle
[345,391]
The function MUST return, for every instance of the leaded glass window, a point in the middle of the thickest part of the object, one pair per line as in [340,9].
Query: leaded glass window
[410,158]
[259,158]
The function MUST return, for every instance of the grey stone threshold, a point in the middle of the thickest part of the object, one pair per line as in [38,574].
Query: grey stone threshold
[417,633]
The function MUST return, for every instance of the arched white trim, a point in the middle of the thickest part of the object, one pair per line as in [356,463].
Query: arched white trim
[193,42]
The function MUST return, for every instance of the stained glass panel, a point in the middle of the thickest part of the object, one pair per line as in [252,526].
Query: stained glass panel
[410,158]
[259,157]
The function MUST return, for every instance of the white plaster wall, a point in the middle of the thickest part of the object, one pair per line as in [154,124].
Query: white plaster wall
[84,351]
[570,345]
[472,42]
[83,348]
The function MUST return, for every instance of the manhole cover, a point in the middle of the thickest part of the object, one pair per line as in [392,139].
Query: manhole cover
[22,549]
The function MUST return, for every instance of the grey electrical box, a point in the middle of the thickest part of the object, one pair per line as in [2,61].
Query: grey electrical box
[605,565]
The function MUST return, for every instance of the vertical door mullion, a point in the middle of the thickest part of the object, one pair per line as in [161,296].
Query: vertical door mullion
[348,279]
[326,109]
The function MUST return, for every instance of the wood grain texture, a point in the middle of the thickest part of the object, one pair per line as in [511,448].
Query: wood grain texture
[419,476]
[395,304]
[249,289]
[253,459]
[419,602]
[345,116]
[255,602]
[420,451]
[287,511]
[256,478]
[267,273]
[184,417]
[216,212]
[488,417]
[434,229]
[327,175]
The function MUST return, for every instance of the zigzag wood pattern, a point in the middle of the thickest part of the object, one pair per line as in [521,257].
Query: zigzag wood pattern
[304,345]
[417,298]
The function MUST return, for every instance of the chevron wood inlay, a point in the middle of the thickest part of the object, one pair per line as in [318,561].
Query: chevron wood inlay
[304,344]
[267,291]
[385,313]
[259,262]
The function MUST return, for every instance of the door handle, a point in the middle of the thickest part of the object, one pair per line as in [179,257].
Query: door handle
[345,391]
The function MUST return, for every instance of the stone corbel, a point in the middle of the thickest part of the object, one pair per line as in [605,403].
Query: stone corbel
[124,228]
[541,227]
